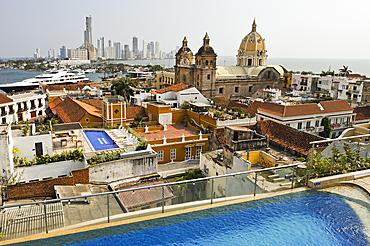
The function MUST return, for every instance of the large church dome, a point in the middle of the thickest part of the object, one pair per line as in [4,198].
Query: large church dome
[252,49]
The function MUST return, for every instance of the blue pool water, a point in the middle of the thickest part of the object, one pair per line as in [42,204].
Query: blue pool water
[100,140]
[304,218]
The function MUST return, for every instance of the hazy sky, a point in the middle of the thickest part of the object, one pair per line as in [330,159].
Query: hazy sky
[292,28]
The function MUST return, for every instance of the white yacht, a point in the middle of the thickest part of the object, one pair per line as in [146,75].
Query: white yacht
[54,77]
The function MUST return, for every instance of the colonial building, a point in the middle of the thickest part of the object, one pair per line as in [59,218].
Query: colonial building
[308,117]
[232,82]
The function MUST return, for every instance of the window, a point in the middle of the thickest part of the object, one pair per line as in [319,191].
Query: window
[300,125]
[199,150]
[250,88]
[308,124]
[160,155]
[206,63]
[188,153]
[196,98]
[3,120]
[317,123]
[249,62]
[288,124]
[173,154]
[208,76]
[220,90]
[236,89]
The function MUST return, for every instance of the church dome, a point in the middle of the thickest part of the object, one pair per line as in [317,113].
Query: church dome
[253,41]
[252,50]
[206,49]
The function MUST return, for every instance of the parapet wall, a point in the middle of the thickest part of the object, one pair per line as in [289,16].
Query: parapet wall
[45,188]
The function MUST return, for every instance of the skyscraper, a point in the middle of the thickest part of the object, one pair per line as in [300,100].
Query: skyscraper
[126,51]
[157,49]
[100,46]
[63,52]
[36,55]
[118,48]
[88,33]
[135,48]
[145,49]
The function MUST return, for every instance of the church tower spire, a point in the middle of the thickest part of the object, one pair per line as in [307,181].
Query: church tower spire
[254,25]
[184,42]
[206,40]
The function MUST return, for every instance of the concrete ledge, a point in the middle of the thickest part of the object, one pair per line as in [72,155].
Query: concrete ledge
[330,180]
[361,174]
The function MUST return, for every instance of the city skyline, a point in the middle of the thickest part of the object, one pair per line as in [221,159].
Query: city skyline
[292,29]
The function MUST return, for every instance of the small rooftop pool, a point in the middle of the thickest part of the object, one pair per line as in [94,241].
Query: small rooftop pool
[301,218]
[100,140]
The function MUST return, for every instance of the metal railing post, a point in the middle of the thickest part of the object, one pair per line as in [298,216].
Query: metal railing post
[293,173]
[108,206]
[255,184]
[332,158]
[212,193]
[46,220]
[162,199]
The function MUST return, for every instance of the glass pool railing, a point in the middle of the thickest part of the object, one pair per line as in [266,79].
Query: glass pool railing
[20,220]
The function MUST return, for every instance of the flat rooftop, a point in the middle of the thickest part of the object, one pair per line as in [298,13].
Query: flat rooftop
[173,131]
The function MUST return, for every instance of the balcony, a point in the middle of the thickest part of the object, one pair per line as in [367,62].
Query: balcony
[20,110]
[25,108]
[354,91]
[3,113]
[11,111]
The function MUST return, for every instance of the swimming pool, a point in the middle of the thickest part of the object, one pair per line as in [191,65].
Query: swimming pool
[100,140]
[302,218]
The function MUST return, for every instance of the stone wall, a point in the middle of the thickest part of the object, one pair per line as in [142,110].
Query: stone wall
[45,188]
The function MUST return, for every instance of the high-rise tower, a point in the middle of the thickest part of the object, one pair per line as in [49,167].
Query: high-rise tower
[135,46]
[88,33]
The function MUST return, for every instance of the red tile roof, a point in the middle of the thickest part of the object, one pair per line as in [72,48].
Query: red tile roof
[288,137]
[55,103]
[252,109]
[305,109]
[71,110]
[362,113]
[5,99]
[68,87]
[97,103]
[177,87]
[131,112]
[144,196]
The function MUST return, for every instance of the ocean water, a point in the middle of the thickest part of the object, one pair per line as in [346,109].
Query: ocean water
[358,66]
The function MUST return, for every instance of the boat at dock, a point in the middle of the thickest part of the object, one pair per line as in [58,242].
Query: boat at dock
[54,77]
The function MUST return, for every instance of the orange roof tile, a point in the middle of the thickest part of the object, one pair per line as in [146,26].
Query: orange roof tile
[289,137]
[362,113]
[71,110]
[68,87]
[177,87]
[173,131]
[305,109]
[55,103]
[131,112]
[5,99]
[97,103]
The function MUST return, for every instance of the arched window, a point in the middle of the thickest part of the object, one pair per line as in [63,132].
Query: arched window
[184,79]
[208,76]
[211,63]
[198,76]
[207,63]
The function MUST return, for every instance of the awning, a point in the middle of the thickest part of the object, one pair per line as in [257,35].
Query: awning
[199,104]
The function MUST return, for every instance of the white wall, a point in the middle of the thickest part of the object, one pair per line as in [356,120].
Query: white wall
[239,165]
[6,154]
[123,169]
[50,170]
[27,145]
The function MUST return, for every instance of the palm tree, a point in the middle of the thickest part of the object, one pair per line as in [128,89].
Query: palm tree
[345,71]
[124,87]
